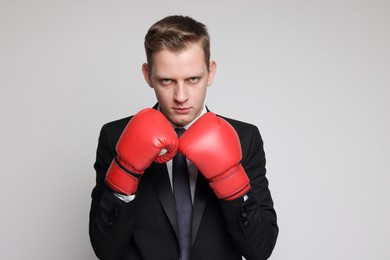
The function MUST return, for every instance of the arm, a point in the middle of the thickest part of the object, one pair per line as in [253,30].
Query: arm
[110,220]
[120,164]
[253,223]
[233,171]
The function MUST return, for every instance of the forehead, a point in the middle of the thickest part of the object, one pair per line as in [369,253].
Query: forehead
[189,60]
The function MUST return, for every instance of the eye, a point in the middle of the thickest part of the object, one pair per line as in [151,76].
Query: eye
[166,82]
[193,80]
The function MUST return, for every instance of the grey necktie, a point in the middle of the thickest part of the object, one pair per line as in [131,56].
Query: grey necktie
[182,193]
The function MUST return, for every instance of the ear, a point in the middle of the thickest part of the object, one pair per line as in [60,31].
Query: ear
[212,71]
[146,72]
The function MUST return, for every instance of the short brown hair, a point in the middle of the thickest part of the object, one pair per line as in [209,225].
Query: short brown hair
[175,33]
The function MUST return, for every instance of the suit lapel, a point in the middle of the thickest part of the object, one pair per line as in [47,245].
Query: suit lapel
[162,186]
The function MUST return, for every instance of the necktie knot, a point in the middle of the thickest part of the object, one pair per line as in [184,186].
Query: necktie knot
[179,131]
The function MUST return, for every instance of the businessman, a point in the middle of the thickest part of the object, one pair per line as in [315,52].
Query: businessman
[177,181]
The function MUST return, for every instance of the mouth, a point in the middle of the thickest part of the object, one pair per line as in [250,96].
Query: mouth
[181,110]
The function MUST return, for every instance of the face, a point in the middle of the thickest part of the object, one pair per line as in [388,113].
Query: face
[180,81]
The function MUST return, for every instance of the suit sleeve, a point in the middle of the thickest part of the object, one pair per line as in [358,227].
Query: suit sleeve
[253,223]
[110,219]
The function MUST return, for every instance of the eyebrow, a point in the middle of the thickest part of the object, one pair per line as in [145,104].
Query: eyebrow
[193,75]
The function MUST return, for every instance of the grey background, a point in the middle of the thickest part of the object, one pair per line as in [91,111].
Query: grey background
[312,75]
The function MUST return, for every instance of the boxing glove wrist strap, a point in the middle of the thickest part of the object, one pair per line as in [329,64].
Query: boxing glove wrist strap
[233,183]
[120,180]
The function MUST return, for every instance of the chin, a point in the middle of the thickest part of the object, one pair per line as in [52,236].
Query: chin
[181,121]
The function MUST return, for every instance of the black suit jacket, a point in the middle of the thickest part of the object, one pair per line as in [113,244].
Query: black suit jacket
[146,228]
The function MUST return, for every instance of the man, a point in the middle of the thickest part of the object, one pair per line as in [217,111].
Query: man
[149,202]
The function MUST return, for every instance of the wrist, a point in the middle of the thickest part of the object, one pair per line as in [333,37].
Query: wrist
[120,179]
[233,184]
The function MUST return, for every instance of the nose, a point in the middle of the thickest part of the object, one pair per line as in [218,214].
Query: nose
[181,93]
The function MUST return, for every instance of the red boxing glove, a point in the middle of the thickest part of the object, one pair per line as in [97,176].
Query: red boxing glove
[213,146]
[147,137]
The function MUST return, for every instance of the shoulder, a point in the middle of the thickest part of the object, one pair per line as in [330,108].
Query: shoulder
[119,123]
[114,129]
[248,133]
[240,126]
